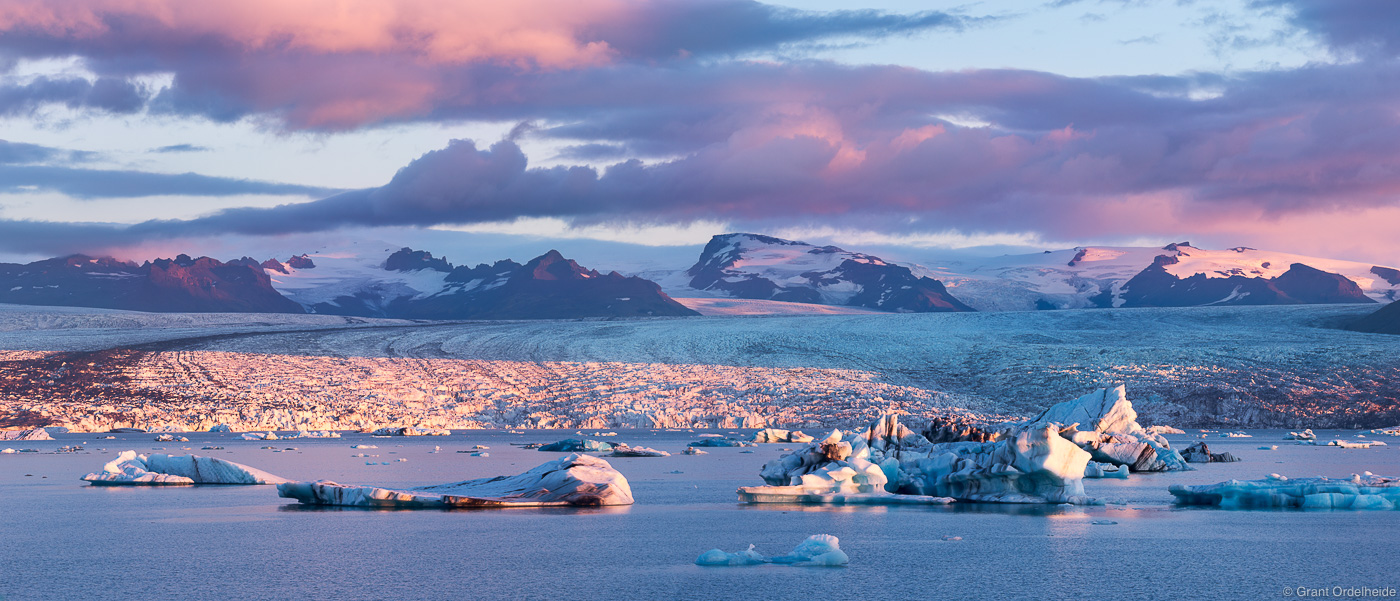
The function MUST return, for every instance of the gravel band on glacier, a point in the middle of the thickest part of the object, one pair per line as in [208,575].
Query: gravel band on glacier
[1274,366]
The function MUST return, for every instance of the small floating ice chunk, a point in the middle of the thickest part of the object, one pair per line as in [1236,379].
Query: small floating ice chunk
[1304,435]
[1095,469]
[171,438]
[694,451]
[721,442]
[1238,435]
[259,436]
[817,550]
[772,435]
[1272,447]
[410,431]
[158,469]
[1164,430]
[317,434]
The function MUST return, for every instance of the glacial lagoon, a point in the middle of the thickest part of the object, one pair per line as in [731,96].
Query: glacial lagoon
[64,539]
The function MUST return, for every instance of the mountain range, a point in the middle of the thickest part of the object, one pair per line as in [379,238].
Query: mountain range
[736,273]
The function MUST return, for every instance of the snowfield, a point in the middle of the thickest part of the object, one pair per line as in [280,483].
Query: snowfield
[1280,366]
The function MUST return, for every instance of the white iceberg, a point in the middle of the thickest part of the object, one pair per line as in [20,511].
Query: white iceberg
[260,436]
[775,435]
[1345,444]
[694,451]
[1304,435]
[1164,430]
[1095,469]
[171,438]
[161,469]
[317,434]
[578,480]
[1032,466]
[623,450]
[817,550]
[29,434]
[1113,434]
[1360,491]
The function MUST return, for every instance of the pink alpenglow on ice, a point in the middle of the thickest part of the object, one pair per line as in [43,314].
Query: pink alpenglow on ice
[574,480]
[156,469]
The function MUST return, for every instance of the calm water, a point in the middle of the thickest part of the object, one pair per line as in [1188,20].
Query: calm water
[63,539]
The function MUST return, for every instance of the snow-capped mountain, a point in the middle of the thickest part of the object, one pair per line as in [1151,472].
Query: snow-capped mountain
[413,284]
[753,266]
[1171,276]
[181,284]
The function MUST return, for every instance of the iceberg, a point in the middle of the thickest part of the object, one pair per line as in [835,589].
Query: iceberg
[1114,435]
[693,451]
[1360,491]
[317,434]
[1164,430]
[259,436]
[171,438]
[577,445]
[1035,465]
[1095,469]
[221,428]
[1304,435]
[410,431]
[622,450]
[722,442]
[30,434]
[772,435]
[817,550]
[1345,444]
[159,469]
[573,480]
[1200,453]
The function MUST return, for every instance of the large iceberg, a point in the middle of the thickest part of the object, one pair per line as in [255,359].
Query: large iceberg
[1034,465]
[30,434]
[579,480]
[817,550]
[1112,433]
[161,469]
[1360,491]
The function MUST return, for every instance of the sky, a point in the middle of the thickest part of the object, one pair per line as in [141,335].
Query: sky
[251,127]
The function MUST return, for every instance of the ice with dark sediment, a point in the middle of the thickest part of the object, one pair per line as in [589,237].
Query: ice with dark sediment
[131,469]
[1360,491]
[889,461]
[625,450]
[577,445]
[777,435]
[573,480]
[1104,423]
[410,431]
[817,550]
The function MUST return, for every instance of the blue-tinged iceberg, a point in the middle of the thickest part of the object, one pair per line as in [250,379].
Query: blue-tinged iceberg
[573,480]
[577,445]
[1111,433]
[817,550]
[131,469]
[889,461]
[1360,491]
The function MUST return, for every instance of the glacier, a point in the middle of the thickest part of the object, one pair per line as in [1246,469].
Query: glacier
[1360,491]
[573,480]
[156,469]
[817,550]
[30,434]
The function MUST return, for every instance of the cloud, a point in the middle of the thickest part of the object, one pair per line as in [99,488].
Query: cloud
[99,183]
[332,64]
[1360,26]
[180,148]
[105,94]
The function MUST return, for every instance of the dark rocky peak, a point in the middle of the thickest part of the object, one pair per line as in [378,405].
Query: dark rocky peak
[1391,276]
[483,271]
[274,265]
[1078,256]
[1240,249]
[553,266]
[246,262]
[1177,246]
[1306,284]
[407,259]
[302,261]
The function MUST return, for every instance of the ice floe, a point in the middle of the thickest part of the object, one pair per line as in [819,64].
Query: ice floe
[1360,491]
[817,550]
[1034,465]
[259,436]
[130,468]
[579,480]
[317,434]
[694,451]
[1095,469]
[30,434]
[1164,430]
[772,435]
[1345,444]
[1304,435]
[577,445]
[171,438]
